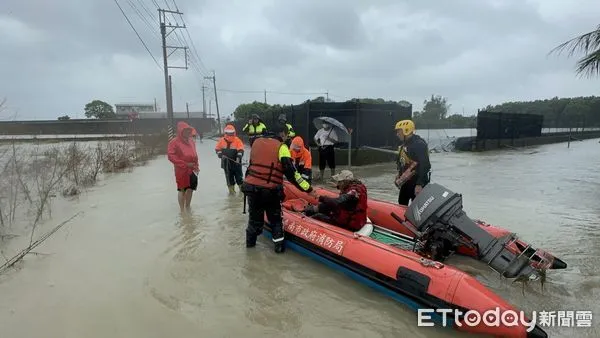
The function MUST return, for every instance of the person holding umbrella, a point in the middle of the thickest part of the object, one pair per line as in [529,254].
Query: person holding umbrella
[325,138]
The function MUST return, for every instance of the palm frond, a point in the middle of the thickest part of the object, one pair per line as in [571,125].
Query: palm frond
[585,43]
[589,65]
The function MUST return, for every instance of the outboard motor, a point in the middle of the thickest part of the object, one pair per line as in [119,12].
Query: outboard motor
[442,225]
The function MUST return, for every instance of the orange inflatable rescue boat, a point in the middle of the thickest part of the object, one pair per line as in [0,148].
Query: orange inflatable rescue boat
[384,258]
[437,226]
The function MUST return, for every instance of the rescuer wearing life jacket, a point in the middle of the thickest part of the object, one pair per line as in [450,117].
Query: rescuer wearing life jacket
[414,168]
[302,158]
[254,128]
[230,149]
[291,132]
[270,161]
[349,209]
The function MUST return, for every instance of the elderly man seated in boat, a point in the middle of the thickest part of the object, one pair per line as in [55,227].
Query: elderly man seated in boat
[349,209]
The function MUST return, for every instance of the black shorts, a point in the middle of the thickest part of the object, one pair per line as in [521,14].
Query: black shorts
[193,183]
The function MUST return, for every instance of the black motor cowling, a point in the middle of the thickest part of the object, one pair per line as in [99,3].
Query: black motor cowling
[437,213]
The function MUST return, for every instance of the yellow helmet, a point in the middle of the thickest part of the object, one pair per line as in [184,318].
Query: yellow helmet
[407,126]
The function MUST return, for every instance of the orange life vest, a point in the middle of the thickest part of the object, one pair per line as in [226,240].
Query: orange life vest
[264,168]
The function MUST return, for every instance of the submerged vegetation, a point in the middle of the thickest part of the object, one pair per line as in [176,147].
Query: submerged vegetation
[33,174]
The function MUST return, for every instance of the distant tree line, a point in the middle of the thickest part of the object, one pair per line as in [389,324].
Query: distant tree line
[558,113]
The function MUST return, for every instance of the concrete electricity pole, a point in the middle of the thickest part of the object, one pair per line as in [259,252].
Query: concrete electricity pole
[214,81]
[162,18]
[203,101]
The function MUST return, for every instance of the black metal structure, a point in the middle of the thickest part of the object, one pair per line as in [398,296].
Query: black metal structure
[498,125]
[371,124]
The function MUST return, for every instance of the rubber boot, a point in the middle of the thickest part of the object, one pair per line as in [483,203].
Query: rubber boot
[322,176]
[240,189]
[253,230]
[250,241]
[332,172]
[231,189]
[279,247]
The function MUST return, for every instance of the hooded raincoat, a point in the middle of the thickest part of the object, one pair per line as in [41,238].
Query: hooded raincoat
[182,151]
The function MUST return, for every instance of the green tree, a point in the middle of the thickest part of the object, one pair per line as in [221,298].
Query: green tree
[245,110]
[557,112]
[436,108]
[64,118]
[589,45]
[99,110]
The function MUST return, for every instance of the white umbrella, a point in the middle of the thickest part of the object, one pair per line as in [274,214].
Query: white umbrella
[342,132]
[340,129]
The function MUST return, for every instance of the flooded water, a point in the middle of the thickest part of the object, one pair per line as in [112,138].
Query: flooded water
[130,266]
[442,137]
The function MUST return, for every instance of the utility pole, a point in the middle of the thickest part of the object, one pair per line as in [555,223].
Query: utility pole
[214,81]
[327,99]
[187,108]
[170,108]
[203,101]
[162,19]
[265,96]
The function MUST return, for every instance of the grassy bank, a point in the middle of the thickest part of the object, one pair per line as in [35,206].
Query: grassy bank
[32,175]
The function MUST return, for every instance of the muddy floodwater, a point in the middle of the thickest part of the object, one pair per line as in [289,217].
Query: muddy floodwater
[131,266]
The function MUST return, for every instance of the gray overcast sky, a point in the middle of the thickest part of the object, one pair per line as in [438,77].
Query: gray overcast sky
[56,56]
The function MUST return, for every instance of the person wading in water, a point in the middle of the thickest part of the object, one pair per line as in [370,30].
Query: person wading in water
[182,153]
[414,168]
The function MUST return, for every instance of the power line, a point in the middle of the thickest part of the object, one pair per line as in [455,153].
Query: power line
[138,35]
[194,50]
[269,92]
[288,93]
[143,18]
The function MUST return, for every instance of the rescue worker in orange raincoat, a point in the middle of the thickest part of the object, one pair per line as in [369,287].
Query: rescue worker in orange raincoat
[270,161]
[349,209]
[302,158]
[230,149]
[414,168]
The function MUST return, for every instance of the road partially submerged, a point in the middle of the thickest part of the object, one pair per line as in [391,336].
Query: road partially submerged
[130,266]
